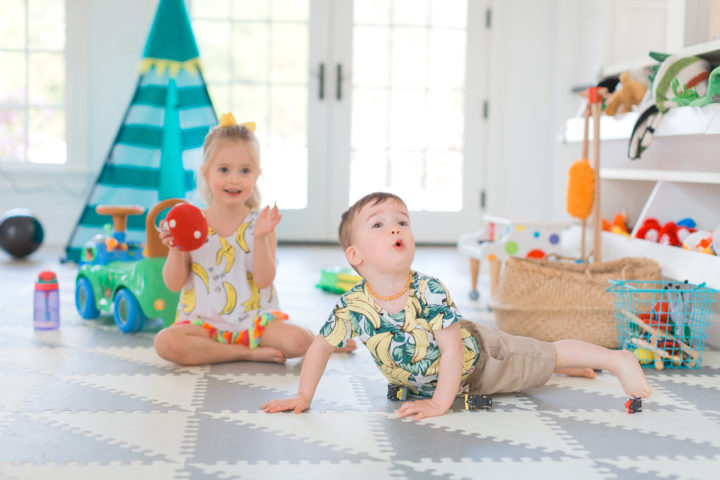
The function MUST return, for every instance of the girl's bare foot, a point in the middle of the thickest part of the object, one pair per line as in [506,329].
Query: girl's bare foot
[577,372]
[631,375]
[349,347]
[266,354]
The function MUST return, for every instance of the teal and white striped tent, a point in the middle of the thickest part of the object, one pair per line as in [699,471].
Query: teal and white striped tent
[158,146]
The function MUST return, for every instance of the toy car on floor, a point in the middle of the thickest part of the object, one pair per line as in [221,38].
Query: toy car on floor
[478,402]
[337,279]
[117,276]
[397,392]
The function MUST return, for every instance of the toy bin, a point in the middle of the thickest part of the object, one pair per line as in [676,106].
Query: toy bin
[664,323]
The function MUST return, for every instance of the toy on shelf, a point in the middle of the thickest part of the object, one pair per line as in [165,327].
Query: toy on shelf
[618,226]
[623,99]
[502,238]
[663,323]
[117,276]
[670,81]
[188,226]
[337,279]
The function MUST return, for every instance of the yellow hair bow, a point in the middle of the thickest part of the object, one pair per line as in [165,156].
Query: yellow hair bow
[228,120]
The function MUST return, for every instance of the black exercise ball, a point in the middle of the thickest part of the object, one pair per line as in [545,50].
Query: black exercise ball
[20,232]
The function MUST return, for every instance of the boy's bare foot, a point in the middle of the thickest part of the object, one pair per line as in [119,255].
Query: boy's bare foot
[631,375]
[577,372]
[349,347]
[266,354]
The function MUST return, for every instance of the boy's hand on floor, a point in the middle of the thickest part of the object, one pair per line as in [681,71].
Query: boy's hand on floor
[421,409]
[297,404]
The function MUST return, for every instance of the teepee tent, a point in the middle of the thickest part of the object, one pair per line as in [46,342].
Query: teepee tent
[158,146]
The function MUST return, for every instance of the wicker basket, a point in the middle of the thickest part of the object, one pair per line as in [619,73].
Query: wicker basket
[553,300]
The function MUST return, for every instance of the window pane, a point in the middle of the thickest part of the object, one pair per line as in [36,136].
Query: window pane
[210,8]
[407,171]
[409,57]
[410,12]
[292,10]
[250,104]
[284,177]
[373,12]
[12,135]
[444,181]
[47,24]
[250,45]
[12,79]
[368,169]
[250,9]
[287,116]
[47,79]
[370,107]
[213,40]
[289,54]
[12,24]
[46,138]
[447,58]
[408,120]
[446,119]
[220,96]
[448,13]
[371,56]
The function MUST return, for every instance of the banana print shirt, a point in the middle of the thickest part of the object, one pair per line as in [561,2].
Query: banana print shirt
[402,344]
[220,289]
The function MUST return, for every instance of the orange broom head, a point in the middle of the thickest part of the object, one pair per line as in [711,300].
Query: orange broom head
[581,189]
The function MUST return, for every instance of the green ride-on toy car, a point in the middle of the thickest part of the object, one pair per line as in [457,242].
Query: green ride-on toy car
[117,276]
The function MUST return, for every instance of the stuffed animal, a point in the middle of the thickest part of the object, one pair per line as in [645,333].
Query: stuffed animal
[699,241]
[649,230]
[673,78]
[628,95]
[188,226]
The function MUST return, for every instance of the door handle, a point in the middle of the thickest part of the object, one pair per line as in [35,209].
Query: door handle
[321,82]
[338,82]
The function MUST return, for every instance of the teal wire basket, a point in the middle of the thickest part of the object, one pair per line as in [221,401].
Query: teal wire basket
[664,323]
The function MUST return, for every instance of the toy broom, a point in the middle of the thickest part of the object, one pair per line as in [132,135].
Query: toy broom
[581,186]
[582,196]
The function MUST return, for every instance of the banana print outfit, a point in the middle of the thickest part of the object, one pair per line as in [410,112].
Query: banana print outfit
[405,350]
[220,293]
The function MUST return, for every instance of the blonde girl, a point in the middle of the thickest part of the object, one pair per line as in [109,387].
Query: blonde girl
[228,308]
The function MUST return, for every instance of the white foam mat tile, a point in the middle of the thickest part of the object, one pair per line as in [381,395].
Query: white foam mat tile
[170,390]
[117,471]
[362,470]
[561,469]
[667,466]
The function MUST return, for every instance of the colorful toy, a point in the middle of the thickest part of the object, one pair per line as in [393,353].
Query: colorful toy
[668,235]
[396,392]
[649,230]
[699,241]
[117,276]
[188,226]
[20,232]
[643,355]
[337,279]
[630,93]
[671,78]
[478,402]
[633,405]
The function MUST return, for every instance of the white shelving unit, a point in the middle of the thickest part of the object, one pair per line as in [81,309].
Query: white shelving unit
[678,176]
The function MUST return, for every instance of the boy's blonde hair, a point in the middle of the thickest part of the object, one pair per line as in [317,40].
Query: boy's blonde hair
[218,138]
[345,228]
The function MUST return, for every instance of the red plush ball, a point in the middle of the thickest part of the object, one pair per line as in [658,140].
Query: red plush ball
[188,226]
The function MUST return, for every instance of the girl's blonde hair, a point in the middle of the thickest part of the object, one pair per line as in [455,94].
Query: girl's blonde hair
[220,137]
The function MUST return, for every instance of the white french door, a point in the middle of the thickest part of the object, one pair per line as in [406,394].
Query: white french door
[354,97]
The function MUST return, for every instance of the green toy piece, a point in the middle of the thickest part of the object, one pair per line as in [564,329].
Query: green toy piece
[337,279]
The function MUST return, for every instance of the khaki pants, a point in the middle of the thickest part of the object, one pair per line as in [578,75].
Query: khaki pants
[508,363]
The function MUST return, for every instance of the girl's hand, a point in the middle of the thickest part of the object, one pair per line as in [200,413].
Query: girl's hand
[165,235]
[266,221]
[421,409]
[298,404]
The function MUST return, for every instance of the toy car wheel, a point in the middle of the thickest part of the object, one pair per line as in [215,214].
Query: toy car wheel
[85,299]
[129,317]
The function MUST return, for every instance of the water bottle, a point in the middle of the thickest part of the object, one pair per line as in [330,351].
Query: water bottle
[47,306]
